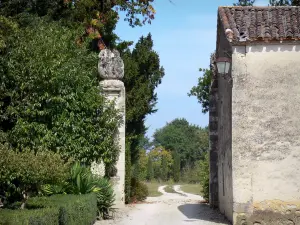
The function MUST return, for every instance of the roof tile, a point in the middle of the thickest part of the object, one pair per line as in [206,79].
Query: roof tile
[248,24]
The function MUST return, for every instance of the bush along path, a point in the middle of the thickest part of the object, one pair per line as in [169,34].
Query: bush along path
[176,208]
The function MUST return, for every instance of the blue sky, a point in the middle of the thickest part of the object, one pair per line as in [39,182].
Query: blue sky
[184,35]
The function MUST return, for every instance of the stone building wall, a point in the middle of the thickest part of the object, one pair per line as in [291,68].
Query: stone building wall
[222,91]
[266,134]
[225,156]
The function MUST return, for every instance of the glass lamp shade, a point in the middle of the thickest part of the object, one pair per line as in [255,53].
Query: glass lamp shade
[223,65]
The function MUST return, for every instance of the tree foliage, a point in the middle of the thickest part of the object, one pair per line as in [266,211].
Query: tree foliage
[202,90]
[99,16]
[7,27]
[49,95]
[189,141]
[244,3]
[204,175]
[176,167]
[142,164]
[143,74]
[150,171]
[161,163]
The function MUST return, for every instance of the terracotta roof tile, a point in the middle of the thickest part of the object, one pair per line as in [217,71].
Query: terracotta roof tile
[250,24]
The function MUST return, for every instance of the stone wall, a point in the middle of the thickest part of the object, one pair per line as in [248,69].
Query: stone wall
[266,134]
[221,94]
[225,154]
[213,138]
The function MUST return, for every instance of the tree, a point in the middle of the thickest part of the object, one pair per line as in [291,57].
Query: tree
[189,141]
[7,28]
[158,155]
[150,173]
[176,167]
[99,16]
[49,95]
[142,164]
[204,175]
[202,90]
[143,74]
[244,3]
[164,168]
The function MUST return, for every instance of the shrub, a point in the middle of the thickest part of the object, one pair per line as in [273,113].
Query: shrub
[139,190]
[54,210]
[49,94]
[73,209]
[191,174]
[48,216]
[105,197]
[204,176]
[82,181]
[27,171]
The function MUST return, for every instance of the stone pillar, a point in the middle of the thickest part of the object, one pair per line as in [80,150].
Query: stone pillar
[111,70]
[213,138]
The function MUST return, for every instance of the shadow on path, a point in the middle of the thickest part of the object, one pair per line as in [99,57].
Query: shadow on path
[202,211]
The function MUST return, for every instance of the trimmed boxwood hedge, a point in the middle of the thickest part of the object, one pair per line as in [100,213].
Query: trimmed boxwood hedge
[47,216]
[54,210]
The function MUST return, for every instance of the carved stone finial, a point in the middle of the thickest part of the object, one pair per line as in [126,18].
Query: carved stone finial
[110,65]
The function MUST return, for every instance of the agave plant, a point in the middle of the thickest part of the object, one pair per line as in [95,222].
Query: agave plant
[50,189]
[82,181]
[105,197]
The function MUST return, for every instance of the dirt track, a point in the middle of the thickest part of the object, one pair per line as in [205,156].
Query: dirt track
[170,208]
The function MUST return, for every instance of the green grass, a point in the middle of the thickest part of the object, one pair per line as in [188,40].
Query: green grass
[192,188]
[169,189]
[153,189]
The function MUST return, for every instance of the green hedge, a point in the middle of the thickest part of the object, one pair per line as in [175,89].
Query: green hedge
[54,210]
[48,216]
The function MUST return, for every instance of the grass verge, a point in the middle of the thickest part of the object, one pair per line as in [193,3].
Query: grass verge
[170,189]
[153,189]
[195,189]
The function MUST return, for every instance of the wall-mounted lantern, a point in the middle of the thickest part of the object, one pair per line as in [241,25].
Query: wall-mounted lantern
[223,65]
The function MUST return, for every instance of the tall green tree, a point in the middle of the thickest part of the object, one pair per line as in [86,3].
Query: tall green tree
[164,168]
[189,141]
[143,74]
[176,167]
[150,172]
[161,158]
[244,3]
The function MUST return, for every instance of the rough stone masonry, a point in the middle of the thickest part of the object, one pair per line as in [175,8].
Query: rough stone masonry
[254,116]
[111,70]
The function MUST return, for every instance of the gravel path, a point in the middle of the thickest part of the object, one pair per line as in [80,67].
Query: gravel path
[171,208]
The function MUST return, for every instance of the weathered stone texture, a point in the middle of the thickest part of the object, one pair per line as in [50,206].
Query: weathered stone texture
[258,141]
[266,132]
[213,138]
[223,131]
[111,68]
[110,65]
